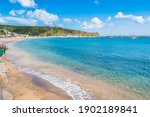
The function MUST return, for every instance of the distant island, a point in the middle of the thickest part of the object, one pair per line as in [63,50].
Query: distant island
[7,30]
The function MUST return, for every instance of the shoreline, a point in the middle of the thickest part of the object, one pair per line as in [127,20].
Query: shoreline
[23,86]
[98,89]
[66,84]
[27,87]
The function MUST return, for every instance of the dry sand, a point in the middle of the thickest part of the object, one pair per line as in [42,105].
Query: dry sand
[23,87]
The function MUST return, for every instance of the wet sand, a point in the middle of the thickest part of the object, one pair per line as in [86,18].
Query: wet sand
[26,87]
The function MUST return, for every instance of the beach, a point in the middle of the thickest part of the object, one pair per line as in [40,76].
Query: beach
[21,86]
[45,80]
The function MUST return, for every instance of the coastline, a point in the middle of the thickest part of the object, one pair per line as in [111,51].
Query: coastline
[78,83]
[22,86]
[97,89]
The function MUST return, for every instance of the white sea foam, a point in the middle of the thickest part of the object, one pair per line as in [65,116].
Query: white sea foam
[73,89]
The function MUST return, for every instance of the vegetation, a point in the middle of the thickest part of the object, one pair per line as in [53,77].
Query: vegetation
[4,48]
[46,31]
[1,32]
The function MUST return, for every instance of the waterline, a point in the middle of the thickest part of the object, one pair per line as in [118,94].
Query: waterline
[74,89]
[124,64]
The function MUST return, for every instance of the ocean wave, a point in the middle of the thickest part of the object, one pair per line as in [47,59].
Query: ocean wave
[74,89]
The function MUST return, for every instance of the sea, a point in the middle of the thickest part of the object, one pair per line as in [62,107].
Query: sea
[120,61]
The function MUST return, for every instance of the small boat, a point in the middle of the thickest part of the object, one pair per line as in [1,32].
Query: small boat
[133,37]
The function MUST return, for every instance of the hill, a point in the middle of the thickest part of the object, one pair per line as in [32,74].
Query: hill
[46,31]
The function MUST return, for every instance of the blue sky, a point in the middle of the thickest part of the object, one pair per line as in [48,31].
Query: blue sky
[108,17]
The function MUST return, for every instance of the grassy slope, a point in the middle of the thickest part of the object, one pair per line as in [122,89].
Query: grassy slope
[46,31]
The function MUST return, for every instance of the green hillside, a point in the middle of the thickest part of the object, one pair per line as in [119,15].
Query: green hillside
[46,31]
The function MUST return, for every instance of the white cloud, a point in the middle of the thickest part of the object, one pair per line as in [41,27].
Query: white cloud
[138,19]
[77,21]
[12,12]
[94,24]
[2,21]
[20,12]
[120,15]
[43,15]
[109,18]
[25,3]
[86,25]
[60,25]
[67,20]
[15,12]
[111,24]
[23,21]
[96,21]
[96,2]
[148,18]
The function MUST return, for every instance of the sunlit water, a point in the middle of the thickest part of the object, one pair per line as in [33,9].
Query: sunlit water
[122,62]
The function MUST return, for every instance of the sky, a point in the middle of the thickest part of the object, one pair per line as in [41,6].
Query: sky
[107,17]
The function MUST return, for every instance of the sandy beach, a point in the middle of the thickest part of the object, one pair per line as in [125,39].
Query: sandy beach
[21,86]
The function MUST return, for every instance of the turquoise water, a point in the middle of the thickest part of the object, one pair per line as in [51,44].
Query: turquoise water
[123,62]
